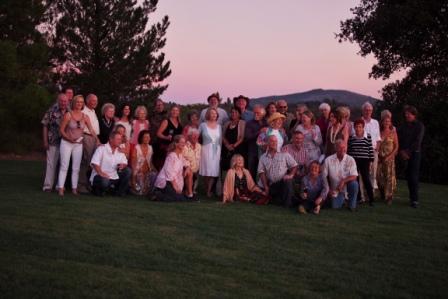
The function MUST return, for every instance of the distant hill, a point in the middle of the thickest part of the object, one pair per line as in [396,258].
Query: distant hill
[345,97]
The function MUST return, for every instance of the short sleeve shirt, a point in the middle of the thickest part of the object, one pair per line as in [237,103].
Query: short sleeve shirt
[52,120]
[107,161]
[275,167]
[337,170]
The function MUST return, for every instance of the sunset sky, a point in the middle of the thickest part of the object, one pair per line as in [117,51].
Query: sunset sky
[260,48]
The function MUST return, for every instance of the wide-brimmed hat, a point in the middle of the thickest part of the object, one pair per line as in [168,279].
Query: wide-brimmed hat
[214,95]
[241,97]
[274,116]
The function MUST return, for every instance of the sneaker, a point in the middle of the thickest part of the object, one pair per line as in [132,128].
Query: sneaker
[302,210]
[414,204]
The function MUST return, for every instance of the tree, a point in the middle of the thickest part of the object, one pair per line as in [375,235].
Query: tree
[409,36]
[104,47]
[23,69]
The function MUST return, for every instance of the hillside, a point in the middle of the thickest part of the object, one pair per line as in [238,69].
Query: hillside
[346,97]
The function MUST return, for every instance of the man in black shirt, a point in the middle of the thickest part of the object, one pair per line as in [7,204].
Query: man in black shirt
[410,136]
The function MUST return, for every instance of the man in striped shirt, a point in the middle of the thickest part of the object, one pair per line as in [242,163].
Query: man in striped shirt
[361,149]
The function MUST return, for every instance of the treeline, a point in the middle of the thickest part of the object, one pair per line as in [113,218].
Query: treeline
[102,47]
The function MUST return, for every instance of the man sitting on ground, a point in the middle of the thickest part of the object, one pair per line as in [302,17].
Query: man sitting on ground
[276,171]
[341,171]
[110,168]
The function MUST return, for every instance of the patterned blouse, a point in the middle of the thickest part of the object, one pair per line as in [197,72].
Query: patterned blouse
[52,120]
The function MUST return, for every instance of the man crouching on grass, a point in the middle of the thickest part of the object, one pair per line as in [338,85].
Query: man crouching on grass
[341,171]
[110,168]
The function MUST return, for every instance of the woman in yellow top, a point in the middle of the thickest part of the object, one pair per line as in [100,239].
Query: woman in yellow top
[387,182]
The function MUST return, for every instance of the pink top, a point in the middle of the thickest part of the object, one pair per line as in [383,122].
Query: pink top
[137,126]
[172,171]
[75,128]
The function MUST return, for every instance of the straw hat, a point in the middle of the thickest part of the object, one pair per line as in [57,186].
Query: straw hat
[274,116]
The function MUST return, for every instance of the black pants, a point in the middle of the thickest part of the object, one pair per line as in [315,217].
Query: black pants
[121,186]
[282,193]
[169,194]
[363,169]
[412,175]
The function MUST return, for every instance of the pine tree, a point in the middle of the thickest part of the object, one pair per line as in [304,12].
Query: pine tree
[105,47]
[23,68]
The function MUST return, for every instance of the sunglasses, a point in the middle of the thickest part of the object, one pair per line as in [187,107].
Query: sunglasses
[78,124]
[282,106]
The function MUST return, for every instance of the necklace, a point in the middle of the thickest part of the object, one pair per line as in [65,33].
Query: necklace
[333,135]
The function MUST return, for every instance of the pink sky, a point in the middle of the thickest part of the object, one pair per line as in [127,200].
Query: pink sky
[260,48]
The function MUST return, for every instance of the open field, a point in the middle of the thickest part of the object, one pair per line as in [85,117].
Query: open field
[131,247]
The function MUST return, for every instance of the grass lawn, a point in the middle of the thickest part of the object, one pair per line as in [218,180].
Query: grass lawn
[131,247]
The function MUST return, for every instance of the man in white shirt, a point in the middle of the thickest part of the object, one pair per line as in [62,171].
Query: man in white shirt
[340,169]
[89,143]
[110,168]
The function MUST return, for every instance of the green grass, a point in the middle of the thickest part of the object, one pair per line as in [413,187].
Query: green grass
[130,247]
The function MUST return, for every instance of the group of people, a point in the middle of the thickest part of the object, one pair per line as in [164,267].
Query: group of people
[260,155]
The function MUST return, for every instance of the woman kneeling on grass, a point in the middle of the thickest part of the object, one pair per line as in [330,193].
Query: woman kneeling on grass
[174,174]
[239,184]
[313,190]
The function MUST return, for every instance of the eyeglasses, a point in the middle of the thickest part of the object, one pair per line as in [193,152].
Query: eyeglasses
[282,106]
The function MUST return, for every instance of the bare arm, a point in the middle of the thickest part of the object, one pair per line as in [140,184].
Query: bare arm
[99,171]
[64,123]
[264,180]
[162,128]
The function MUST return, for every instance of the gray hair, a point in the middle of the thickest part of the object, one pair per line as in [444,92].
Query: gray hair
[385,114]
[324,106]
[258,106]
[192,131]
[365,105]
[90,96]
[106,107]
[137,110]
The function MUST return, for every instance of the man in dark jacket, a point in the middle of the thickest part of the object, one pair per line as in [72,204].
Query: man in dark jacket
[410,136]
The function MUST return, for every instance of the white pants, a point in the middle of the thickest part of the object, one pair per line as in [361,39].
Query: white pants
[68,150]
[52,164]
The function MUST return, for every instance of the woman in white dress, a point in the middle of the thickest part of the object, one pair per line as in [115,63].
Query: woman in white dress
[211,134]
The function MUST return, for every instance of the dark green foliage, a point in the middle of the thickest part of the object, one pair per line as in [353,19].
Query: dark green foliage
[105,47]
[23,65]
[409,36]
[132,248]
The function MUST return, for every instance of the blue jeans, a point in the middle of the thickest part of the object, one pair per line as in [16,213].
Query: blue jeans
[100,185]
[352,190]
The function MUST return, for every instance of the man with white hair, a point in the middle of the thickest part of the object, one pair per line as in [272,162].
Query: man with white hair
[323,121]
[372,127]
[276,171]
[89,143]
[342,174]
[52,138]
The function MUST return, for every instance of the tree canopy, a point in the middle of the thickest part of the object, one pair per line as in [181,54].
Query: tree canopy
[107,48]
[23,69]
[409,36]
